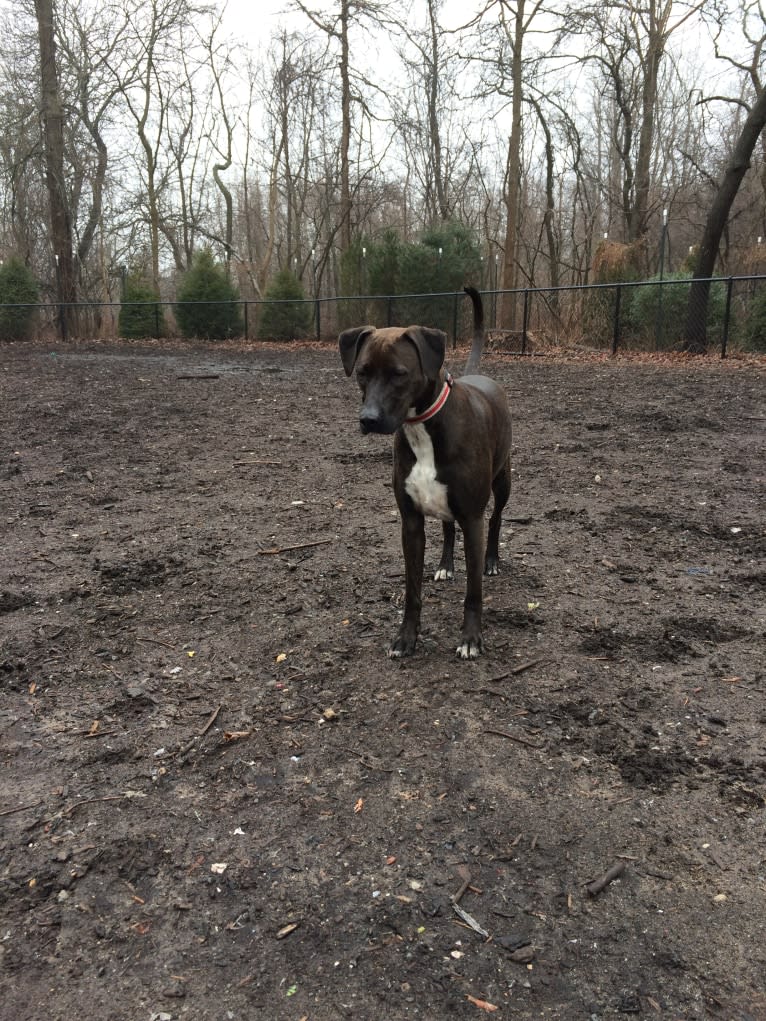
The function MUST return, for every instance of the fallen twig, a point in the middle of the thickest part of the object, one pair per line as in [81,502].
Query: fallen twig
[201,375]
[92,801]
[595,888]
[465,875]
[183,752]
[155,641]
[512,737]
[243,464]
[469,920]
[211,721]
[288,549]
[21,808]
[526,666]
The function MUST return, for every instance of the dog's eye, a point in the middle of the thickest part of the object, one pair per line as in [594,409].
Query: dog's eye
[399,371]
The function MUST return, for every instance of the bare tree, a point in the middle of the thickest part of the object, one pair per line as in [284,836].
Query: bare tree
[53,128]
[25,200]
[753,19]
[437,144]
[511,64]
[86,44]
[336,25]
[156,32]
[629,43]
[220,64]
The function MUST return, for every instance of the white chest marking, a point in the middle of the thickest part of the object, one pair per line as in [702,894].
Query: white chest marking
[428,495]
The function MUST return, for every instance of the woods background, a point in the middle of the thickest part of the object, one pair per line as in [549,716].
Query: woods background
[518,136]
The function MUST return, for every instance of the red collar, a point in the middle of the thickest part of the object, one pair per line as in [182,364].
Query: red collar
[437,405]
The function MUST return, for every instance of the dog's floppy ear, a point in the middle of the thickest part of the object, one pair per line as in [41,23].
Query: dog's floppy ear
[350,343]
[430,345]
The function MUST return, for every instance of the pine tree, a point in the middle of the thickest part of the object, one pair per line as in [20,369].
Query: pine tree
[18,297]
[208,304]
[286,313]
[140,314]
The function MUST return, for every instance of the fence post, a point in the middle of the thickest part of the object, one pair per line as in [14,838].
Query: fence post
[390,304]
[317,313]
[525,322]
[616,327]
[156,322]
[454,320]
[245,303]
[727,316]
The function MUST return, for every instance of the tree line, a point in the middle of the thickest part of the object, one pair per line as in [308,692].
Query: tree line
[559,142]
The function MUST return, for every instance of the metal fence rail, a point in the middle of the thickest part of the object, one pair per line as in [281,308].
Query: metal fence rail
[641,316]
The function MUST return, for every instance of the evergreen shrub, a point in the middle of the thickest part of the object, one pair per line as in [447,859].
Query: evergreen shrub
[208,305]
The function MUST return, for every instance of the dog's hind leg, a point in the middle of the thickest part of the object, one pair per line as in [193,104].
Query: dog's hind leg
[446,568]
[501,487]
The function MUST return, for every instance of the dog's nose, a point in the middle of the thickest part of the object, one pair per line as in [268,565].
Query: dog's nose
[370,420]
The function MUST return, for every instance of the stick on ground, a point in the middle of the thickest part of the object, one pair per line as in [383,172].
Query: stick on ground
[595,888]
[288,549]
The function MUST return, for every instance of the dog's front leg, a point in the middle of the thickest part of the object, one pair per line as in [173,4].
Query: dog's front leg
[471,644]
[413,546]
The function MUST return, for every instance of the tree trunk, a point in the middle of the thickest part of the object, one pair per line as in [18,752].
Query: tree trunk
[53,123]
[513,182]
[655,49]
[433,71]
[695,337]
[345,136]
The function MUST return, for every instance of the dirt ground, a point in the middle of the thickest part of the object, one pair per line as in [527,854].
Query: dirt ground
[219,799]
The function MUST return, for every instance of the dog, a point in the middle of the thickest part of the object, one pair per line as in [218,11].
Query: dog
[452,443]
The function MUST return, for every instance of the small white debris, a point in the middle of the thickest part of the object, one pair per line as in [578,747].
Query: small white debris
[219,867]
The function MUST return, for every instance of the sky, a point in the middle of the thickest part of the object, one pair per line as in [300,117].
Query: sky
[253,21]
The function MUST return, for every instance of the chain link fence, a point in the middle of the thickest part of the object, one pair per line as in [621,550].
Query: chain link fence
[643,316]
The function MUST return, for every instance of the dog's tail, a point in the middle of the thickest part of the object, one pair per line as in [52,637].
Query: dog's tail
[477,346]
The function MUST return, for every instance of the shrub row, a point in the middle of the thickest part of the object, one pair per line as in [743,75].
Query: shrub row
[208,305]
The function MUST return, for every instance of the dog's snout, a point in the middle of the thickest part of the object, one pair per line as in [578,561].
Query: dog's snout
[370,420]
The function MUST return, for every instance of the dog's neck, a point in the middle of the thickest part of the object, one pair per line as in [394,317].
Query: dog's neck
[432,402]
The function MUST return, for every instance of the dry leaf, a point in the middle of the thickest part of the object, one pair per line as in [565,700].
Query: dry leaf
[359,805]
[286,930]
[482,1004]
[94,727]
[236,735]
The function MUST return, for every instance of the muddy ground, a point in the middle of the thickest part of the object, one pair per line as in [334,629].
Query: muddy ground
[219,799]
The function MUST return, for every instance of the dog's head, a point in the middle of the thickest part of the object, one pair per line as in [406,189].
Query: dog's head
[395,368]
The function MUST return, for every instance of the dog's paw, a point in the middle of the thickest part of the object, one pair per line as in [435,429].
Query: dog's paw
[402,645]
[470,648]
[443,574]
[491,566]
